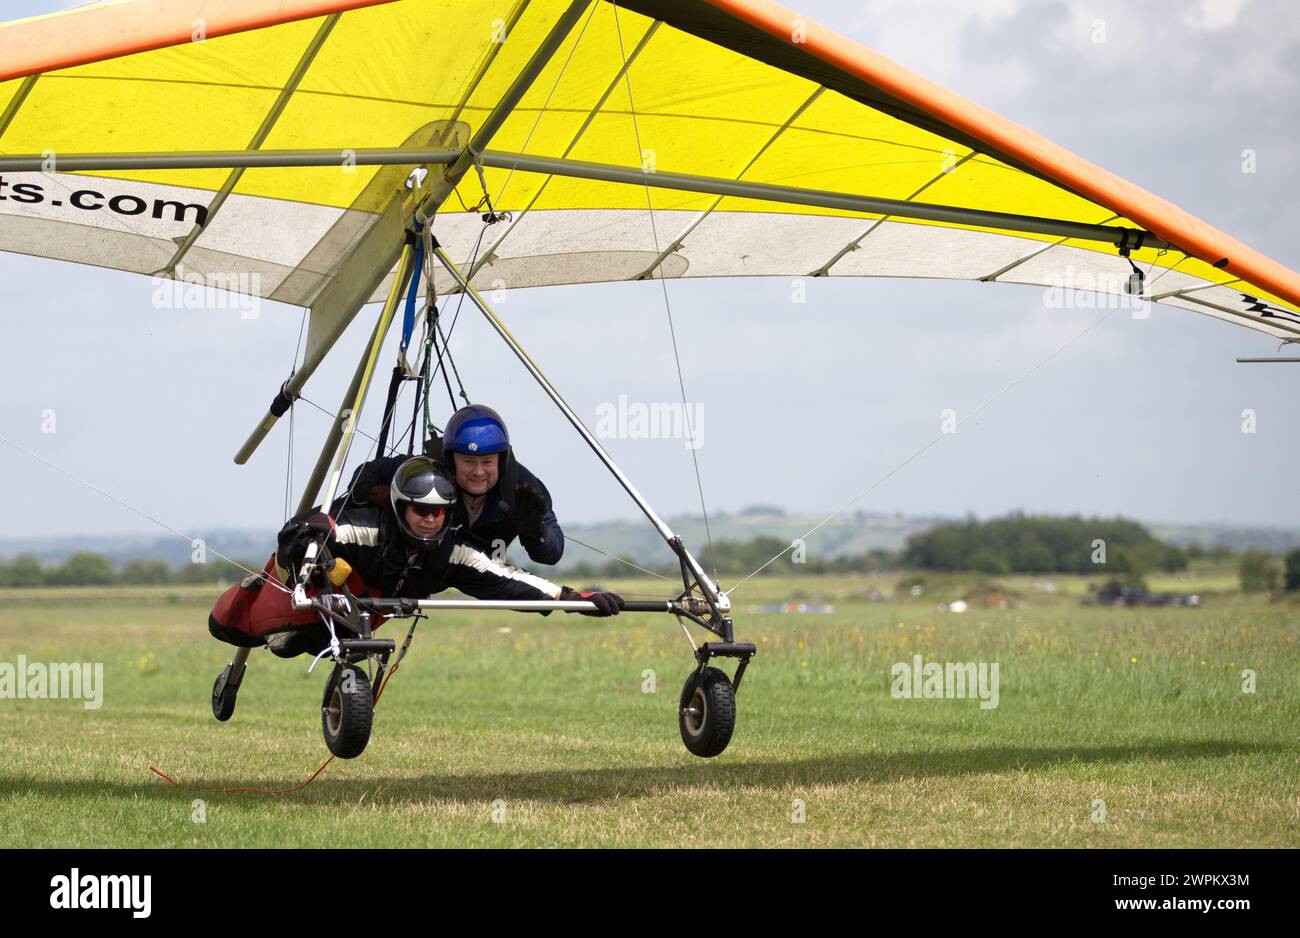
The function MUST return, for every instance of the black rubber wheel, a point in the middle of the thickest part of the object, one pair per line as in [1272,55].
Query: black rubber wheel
[223,703]
[347,712]
[708,717]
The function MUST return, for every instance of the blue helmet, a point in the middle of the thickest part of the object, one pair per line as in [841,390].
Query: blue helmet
[475,430]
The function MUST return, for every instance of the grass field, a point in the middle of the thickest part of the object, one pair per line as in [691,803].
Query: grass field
[547,719]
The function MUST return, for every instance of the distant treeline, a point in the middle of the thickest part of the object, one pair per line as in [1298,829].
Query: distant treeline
[1043,544]
[91,569]
[1015,544]
[739,558]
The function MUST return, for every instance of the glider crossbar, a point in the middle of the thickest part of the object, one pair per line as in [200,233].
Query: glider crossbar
[604,172]
[691,608]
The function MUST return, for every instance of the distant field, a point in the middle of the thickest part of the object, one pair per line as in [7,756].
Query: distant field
[1141,709]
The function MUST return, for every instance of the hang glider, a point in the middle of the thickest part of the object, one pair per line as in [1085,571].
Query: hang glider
[328,153]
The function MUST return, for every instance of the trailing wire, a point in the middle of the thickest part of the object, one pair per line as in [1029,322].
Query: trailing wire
[388,676]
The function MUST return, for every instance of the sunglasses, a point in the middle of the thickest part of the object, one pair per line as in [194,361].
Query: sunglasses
[427,511]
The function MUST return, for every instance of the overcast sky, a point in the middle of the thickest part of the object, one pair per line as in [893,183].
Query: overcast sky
[803,406]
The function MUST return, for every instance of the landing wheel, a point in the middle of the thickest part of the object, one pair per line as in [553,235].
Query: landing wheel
[707,713]
[225,690]
[347,711]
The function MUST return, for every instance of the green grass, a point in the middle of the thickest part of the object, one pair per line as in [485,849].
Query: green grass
[1140,708]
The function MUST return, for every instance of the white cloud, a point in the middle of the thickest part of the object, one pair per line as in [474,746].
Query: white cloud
[1214,14]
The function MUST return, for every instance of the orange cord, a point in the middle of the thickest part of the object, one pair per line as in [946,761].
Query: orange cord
[282,791]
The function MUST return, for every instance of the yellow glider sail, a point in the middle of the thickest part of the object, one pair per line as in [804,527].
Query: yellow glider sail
[695,138]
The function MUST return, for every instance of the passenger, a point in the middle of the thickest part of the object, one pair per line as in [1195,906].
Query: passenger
[500,500]
[410,550]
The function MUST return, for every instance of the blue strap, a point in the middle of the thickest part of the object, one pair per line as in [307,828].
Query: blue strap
[408,320]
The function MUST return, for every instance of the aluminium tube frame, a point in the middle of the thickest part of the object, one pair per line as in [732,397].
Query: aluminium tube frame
[692,608]
[367,370]
[328,449]
[718,600]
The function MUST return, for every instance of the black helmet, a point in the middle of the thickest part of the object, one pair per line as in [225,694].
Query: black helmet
[420,481]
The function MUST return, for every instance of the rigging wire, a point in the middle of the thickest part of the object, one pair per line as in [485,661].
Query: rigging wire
[1164,270]
[492,218]
[446,341]
[444,353]
[394,445]
[347,444]
[431,294]
[663,283]
[622,560]
[847,505]
[142,514]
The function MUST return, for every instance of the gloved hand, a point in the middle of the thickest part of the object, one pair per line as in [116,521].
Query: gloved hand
[529,511]
[293,540]
[607,604]
[319,578]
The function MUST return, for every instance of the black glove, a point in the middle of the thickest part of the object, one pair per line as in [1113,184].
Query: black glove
[607,604]
[294,539]
[529,511]
[319,578]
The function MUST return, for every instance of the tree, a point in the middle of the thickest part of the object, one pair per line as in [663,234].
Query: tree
[1220,553]
[1257,571]
[195,573]
[1130,564]
[23,570]
[145,572]
[1037,559]
[1293,570]
[1175,560]
[84,569]
[988,561]
[1039,544]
